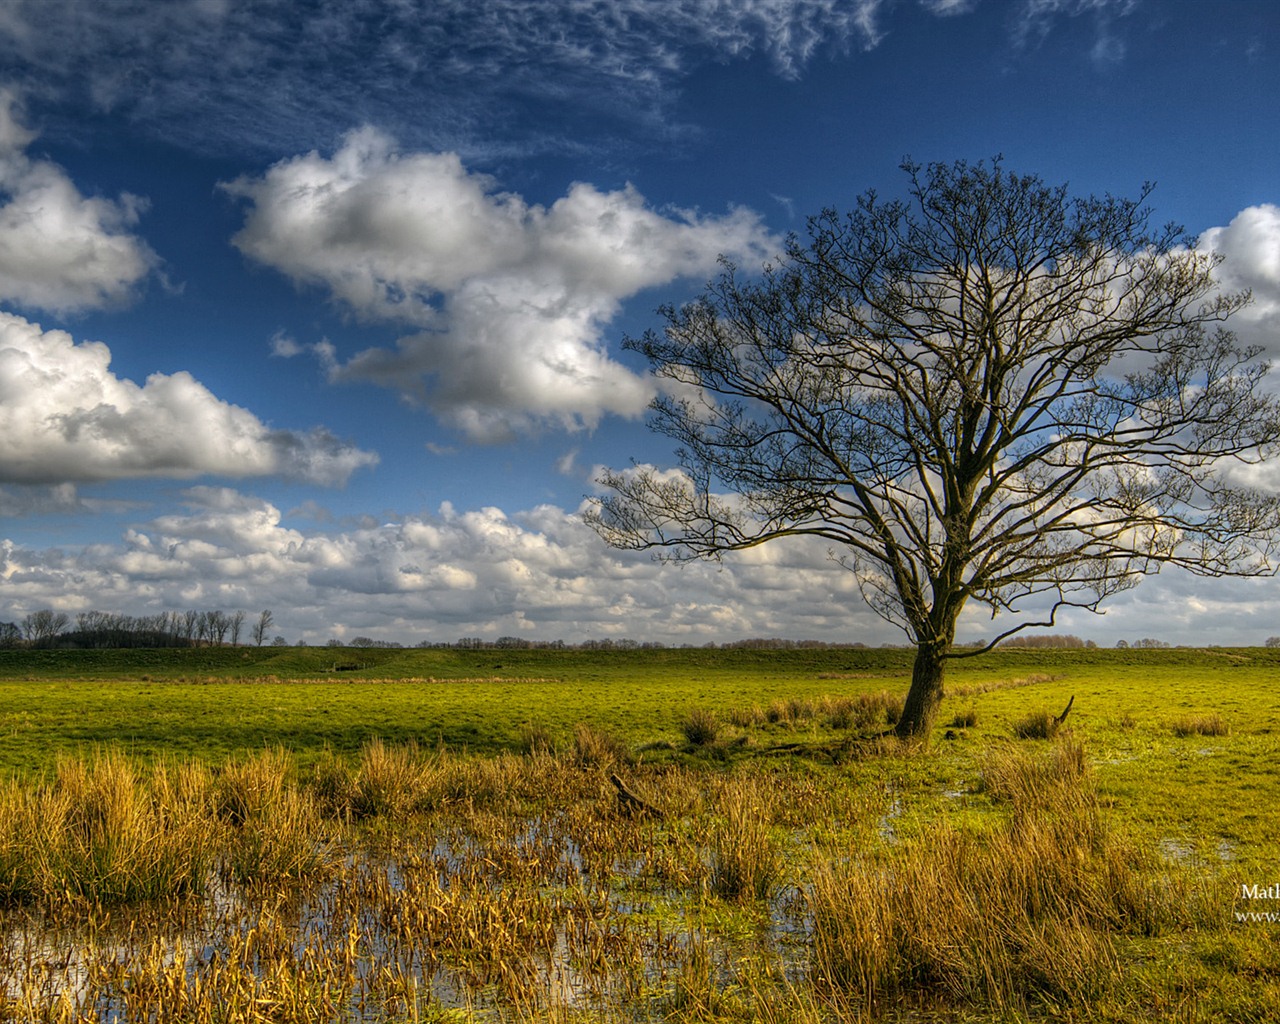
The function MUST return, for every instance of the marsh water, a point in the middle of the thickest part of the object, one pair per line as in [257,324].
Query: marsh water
[508,920]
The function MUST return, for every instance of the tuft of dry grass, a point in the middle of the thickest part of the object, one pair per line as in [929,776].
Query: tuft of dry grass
[1039,725]
[701,727]
[598,748]
[748,717]
[536,739]
[100,832]
[746,859]
[277,829]
[389,781]
[1201,725]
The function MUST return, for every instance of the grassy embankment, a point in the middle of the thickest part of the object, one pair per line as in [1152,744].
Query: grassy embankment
[219,834]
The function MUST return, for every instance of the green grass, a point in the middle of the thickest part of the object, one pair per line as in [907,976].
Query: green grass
[1211,792]
[212,703]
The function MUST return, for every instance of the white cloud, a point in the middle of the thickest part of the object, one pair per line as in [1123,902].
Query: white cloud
[1034,19]
[510,298]
[1250,246]
[948,8]
[285,347]
[60,250]
[449,71]
[65,416]
[487,572]
[567,464]
[540,573]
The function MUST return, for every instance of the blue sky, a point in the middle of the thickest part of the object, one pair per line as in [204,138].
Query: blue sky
[318,306]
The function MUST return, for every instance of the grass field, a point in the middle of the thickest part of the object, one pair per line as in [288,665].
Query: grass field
[326,789]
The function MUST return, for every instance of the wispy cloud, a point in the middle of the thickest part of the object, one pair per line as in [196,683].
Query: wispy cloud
[452,74]
[1034,20]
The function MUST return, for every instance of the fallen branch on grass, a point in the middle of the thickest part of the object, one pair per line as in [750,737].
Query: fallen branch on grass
[630,804]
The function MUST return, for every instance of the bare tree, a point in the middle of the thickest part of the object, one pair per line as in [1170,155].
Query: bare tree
[260,628]
[219,623]
[41,627]
[237,624]
[988,392]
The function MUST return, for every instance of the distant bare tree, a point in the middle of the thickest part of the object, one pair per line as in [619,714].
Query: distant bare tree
[42,626]
[262,626]
[219,624]
[989,392]
[237,624]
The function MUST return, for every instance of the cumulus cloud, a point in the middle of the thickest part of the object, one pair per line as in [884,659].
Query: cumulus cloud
[60,250]
[538,573]
[1250,250]
[1250,246]
[487,572]
[509,298]
[66,417]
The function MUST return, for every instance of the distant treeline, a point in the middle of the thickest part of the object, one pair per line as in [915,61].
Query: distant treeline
[216,628]
[49,629]
[519,643]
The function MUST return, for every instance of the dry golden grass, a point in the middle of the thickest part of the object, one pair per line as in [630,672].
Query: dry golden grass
[973,689]
[97,832]
[746,859]
[405,884]
[1020,916]
[1201,725]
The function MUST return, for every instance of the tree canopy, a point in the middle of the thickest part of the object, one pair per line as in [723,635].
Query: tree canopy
[988,392]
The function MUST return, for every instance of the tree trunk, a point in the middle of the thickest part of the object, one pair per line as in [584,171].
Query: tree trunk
[926,692]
